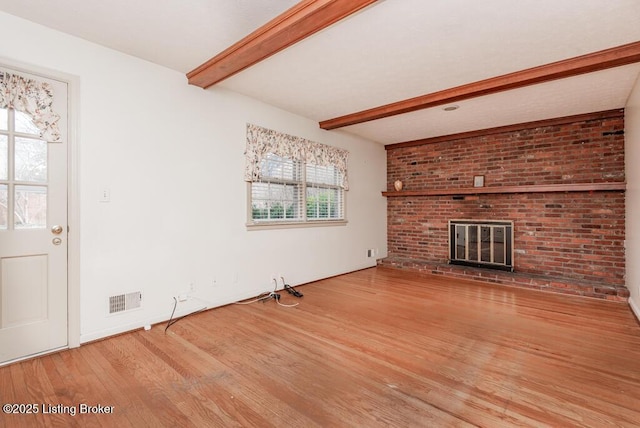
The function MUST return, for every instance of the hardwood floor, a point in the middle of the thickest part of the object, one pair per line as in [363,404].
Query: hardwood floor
[378,347]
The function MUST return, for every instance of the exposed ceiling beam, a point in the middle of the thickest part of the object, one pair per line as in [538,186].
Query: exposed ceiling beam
[596,61]
[295,24]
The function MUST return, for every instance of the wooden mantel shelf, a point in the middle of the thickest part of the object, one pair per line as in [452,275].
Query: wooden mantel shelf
[548,188]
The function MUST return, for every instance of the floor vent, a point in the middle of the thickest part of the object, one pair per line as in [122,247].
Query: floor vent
[125,302]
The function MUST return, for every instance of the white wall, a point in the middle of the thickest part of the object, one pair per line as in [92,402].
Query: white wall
[172,156]
[632,160]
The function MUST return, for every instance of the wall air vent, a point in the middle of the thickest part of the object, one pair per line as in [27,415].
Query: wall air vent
[125,302]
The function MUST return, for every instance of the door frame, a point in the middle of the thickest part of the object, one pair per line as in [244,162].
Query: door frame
[73,190]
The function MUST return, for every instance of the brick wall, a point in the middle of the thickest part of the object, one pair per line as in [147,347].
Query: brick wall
[567,237]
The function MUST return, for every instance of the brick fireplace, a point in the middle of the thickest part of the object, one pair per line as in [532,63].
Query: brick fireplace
[560,183]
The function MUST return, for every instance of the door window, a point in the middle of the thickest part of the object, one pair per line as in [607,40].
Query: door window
[23,173]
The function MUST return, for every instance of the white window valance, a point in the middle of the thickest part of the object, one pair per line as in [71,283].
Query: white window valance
[261,141]
[33,98]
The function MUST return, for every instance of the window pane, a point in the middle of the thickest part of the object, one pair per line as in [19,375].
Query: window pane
[273,166]
[31,160]
[25,124]
[3,206]
[275,201]
[4,121]
[4,158]
[323,175]
[31,207]
[323,204]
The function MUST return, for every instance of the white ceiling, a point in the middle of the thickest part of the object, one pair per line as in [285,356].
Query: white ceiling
[179,34]
[390,51]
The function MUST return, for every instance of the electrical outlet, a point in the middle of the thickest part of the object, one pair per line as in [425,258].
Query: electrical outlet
[192,287]
[214,282]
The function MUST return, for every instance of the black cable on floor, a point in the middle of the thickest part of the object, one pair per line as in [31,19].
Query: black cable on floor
[173,321]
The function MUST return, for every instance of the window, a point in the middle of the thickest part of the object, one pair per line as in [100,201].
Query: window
[27,122]
[277,196]
[293,181]
[324,196]
[23,173]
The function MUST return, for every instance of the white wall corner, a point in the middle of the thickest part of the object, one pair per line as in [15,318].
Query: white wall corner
[635,308]
[632,222]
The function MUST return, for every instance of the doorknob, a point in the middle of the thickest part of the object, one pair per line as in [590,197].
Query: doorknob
[56,230]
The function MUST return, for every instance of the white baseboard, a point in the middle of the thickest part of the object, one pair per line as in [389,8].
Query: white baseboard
[634,308]
[196,303]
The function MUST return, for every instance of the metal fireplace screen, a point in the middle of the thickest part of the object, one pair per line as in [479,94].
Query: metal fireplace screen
[485,243]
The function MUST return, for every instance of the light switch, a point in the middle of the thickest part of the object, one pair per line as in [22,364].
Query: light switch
[105,195]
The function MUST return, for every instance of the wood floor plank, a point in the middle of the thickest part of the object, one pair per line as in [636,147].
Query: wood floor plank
[377,347]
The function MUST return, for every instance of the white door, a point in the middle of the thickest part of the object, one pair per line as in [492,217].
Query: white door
[33,232]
